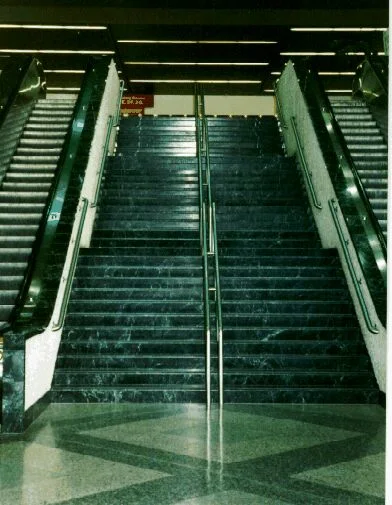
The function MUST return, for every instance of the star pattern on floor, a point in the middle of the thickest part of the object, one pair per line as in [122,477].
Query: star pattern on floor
[183,455]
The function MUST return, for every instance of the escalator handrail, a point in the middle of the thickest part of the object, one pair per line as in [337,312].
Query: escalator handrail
[32,283]
[11,80]
[382,78]
[333,129]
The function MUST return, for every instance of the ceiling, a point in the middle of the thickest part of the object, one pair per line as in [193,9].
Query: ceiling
[165,48]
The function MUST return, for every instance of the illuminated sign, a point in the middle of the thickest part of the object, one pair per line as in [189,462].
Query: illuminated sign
[135,104]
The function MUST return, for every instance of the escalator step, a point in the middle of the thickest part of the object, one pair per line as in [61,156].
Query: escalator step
[37,156]
[23,196]
[32,167]
[34,177]
[25,186]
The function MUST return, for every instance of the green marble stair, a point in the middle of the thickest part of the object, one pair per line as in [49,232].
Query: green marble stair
[289,326]
[134,329]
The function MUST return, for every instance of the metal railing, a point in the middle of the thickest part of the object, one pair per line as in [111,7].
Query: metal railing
[118,108]
[363,229]
[209,246]
[304,163]
[357,282]
[103,161]
[85,204]
[75,254]
[218,303]
[206,297]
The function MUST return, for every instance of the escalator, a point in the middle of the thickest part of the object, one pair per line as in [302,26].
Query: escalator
[44,157]
[368,150]
[24,192]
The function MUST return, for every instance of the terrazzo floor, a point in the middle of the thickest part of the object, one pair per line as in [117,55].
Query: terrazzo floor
[144,454]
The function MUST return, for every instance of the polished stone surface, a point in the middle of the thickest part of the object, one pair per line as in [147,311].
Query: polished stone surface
[178,454]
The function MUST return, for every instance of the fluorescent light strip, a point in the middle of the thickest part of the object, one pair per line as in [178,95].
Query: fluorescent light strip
[339,91]
[360,53]
[63,89]
[54,27]
[64,71]
[185,63]
[135,41]
[338,29]
[52,51]
[322,73]
[336,73]
[293,53]
[186,81]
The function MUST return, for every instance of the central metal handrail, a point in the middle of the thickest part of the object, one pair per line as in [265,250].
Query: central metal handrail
[218,304]
[200,174]
[208,184]
[206,297]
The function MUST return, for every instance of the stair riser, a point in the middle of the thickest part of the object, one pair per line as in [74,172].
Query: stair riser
[138,320]
[154,308]
[129,395]
[128,379]
[240,348]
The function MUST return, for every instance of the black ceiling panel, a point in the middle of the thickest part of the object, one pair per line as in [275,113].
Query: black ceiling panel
[230,53]
[207,4]
[206,20]
[196,72]
[95,40]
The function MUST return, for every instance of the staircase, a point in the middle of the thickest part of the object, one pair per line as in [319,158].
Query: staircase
[290,331]
[368,151]
[134,329]
[24,191]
